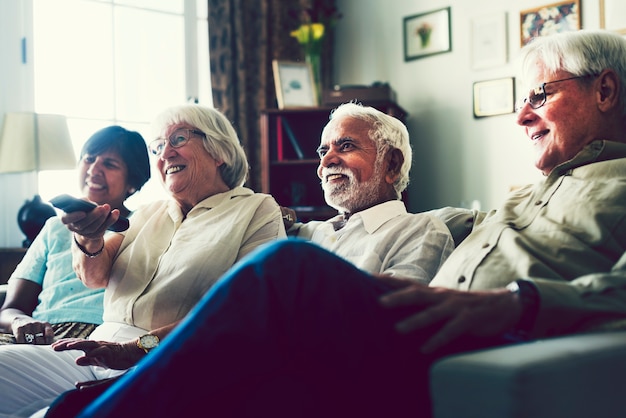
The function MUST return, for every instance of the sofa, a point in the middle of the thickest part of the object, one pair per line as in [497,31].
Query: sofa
[575,376]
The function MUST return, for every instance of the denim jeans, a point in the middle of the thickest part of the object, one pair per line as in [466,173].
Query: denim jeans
[290,331]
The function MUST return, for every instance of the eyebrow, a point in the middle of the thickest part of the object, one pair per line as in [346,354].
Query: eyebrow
[339,141]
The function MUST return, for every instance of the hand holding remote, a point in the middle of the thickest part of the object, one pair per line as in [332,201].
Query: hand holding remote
[69,204]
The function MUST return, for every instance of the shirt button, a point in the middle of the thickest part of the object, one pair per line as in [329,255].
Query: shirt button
[538,202]
[485,245]
[461,279]
[511,224]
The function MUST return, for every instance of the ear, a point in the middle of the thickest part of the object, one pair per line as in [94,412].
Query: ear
[608,90]
[395,161]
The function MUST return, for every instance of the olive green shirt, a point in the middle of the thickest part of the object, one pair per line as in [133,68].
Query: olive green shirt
[566,234]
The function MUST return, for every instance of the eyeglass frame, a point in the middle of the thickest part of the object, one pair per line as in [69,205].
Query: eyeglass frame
[163,141]
[543,93]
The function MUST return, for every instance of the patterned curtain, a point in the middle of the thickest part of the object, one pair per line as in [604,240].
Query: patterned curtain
[244,37]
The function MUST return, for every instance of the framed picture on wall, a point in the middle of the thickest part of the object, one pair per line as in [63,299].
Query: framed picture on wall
[427,34]
[613,15]
[494,97]
[489,41]
[294,84]
[552,18]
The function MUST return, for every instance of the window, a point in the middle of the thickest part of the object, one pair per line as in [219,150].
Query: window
[103,62]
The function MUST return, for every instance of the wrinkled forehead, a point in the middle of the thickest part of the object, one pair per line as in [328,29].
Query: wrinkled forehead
[345,127]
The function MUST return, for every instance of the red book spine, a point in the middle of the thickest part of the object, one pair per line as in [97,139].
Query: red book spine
[279,138]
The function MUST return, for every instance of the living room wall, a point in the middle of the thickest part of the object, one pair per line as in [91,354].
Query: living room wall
[458,160]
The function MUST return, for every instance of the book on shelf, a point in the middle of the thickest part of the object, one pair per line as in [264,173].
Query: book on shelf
[292,138]
[279,138]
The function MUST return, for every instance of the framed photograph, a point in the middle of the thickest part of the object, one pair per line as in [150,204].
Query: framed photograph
[494,97]
[613,15]
[489,41]
[552,18]
[294,84]
[427,34]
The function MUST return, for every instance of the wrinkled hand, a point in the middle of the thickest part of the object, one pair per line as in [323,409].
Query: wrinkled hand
[119,356]
[30,331]
[92,224]
[459,313]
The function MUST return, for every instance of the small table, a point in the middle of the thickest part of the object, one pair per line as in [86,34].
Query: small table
[9,259]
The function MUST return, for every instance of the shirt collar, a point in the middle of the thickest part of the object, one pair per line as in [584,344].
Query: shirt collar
[210,202]
[596,151]
[374,217]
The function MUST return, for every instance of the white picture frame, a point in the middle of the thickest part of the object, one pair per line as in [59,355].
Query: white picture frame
[489,41]
[494,97]
[613,15]
[295,86]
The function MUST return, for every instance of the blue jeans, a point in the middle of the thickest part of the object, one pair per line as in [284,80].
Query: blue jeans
[290,331]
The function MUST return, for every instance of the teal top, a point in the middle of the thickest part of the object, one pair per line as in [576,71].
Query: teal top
[63,297]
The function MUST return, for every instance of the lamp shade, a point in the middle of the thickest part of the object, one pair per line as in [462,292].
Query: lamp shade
[32,141]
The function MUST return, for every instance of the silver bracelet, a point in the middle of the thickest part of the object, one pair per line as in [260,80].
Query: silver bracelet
[84,250]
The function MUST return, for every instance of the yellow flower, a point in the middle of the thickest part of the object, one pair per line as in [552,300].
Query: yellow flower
[308,33]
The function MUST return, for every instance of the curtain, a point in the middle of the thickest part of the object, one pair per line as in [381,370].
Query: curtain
[244,37]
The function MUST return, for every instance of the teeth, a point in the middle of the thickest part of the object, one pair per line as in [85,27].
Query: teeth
[95,186]
[174,169]
[332,177]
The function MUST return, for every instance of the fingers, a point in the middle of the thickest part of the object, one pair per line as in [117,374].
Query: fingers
[413,294]
[92,224]
[73,344]
[35,332]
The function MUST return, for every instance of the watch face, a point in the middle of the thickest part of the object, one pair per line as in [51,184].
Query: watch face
[149,341]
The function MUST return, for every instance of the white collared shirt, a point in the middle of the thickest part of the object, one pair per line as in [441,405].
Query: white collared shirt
[386,239]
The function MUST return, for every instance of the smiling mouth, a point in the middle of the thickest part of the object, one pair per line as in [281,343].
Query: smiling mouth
[94,186]
[332,177]
[174,169]
[538,135]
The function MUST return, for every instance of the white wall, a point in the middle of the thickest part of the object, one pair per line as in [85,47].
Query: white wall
[457,159]
[16,94]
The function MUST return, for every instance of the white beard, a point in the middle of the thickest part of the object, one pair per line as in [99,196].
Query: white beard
[351,195]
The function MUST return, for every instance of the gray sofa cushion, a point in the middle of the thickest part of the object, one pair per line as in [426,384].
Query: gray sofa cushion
[576,376]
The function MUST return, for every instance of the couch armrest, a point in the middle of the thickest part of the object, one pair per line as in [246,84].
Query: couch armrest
[3,293]
[573,376]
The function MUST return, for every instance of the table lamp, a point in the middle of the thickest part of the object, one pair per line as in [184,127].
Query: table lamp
[35,142]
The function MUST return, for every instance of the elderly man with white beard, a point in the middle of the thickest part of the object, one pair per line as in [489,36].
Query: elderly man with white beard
[365,159]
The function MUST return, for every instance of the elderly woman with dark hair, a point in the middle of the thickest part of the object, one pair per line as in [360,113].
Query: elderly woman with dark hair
[156,271]
[45,300]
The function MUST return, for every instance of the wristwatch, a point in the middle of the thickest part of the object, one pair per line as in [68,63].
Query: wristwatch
[147,342]
[529,296]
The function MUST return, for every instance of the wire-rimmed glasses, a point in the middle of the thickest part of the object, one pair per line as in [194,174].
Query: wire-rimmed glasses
[176,140]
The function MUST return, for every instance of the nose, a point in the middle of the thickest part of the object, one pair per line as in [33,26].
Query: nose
[525,115]
[95,167]
[329,159]
[166,151]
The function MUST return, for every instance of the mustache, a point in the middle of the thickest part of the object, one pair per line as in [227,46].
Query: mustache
[336,171]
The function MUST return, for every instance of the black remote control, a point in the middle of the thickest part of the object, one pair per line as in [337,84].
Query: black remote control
[68,204]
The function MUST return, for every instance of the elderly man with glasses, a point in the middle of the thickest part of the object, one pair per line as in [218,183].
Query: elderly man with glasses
[326,339]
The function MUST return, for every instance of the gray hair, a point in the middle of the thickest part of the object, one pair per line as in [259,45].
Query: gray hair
[387,132]
[221,140]
[583,52]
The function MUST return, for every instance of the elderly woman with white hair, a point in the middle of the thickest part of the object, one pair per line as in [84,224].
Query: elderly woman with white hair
[156,271]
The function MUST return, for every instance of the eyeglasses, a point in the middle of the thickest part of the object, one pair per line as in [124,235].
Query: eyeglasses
[537,96]
[176,140]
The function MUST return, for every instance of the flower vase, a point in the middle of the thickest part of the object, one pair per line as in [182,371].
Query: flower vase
[314,59]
